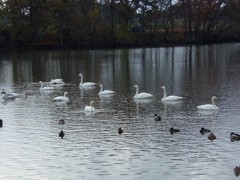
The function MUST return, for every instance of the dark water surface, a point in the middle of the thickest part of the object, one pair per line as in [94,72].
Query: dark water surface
[92,148]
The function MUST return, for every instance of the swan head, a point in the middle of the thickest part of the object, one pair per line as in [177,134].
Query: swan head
[214,97]
[80,74]
[91,103]
[163,87]
[100,85]
[136,86]
[65,93]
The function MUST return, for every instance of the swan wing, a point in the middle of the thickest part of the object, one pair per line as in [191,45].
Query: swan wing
[106,92]
[207,107]
[57,81]
[86,84]
[61,98]
[172,98]
[144,95]
[47,88]
[89,108]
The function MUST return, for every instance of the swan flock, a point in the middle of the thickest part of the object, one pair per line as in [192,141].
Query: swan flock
[138,95]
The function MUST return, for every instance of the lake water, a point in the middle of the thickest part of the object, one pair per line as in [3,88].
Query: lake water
[30,147]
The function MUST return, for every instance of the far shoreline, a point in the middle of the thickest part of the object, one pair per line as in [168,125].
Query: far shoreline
[113,46]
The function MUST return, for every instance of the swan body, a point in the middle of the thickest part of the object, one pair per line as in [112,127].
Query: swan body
[86,84]
[209,106]
[62,98]
[142,95]
[45,88]
[105,92]
[57,81]
[170,98]
[89,108]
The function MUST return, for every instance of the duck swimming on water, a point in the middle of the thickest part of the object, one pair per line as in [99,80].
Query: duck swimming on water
[234,136]
[61,121]
[204,130]
[173,130]
[211,136]
[120,131]
[61,134]
[157,118]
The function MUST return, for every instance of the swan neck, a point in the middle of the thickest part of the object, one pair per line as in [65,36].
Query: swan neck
[213,103]
[91,106]
[136,91]
[101,88]
[164,93]
[81,79]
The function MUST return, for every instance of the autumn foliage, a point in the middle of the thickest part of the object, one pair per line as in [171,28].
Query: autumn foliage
[114,23]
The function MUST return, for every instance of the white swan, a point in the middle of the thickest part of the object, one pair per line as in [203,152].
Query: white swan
[57,82]
[209,106]
[86,84]
[45,88]
[105,92]
[62,98]
[141,95]
[89,108]
[170,98]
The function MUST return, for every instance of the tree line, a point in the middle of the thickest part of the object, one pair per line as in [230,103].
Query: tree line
[114,23]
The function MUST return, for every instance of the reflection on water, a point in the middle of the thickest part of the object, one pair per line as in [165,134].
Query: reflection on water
[92,147]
